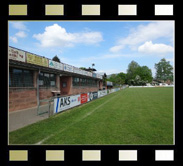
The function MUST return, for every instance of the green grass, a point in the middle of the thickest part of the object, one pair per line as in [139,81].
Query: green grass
[131,116]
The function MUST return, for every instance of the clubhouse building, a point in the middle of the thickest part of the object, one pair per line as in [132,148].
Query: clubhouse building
[33,78]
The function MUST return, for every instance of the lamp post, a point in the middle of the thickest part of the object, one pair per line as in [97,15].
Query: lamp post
[92,66]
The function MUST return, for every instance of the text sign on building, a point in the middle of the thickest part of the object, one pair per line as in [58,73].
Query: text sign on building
[66,102]
[102,93]
[15,54]
[92,96]
[37,60]
[68,68]
[84,98]
[78,71]
[56,65]
[89,74]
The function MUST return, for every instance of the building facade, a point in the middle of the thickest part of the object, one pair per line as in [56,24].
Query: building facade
[33,78]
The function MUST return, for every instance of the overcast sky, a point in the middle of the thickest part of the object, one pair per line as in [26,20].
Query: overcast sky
[110,45]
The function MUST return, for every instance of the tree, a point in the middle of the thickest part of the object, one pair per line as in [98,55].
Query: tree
[88,69]
[56,58]
[121,78]
[164,71]
[118,79]
[145,73]
[132,69]
[83,68]
[138,75]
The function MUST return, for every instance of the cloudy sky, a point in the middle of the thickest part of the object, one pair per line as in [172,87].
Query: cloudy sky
[110,45]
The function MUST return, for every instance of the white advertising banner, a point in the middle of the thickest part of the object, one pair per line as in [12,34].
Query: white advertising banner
[63,103]
[99,76]
[68,68]
[15,54]
[85,73]
[102,93]
[56,65]
[89,74]
[78,71]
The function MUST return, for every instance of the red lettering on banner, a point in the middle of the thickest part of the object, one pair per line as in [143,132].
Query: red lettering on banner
[84,98]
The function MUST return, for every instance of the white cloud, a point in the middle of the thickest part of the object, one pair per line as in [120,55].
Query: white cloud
[19,25]
[21,34]
[150,48]
[116,48]
[13,39]
[56,35]
[143,33]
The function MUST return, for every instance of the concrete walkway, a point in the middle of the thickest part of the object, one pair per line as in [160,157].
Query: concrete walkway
[22,118]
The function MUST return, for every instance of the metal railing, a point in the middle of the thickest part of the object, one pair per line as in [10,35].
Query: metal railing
[43,108]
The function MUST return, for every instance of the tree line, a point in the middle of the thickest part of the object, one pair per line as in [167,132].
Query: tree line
[141,75]
[136,74]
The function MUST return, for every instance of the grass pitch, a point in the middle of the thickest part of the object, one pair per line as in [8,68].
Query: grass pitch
[131,116]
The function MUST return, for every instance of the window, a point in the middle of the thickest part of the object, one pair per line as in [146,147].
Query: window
[83,82]
[75,81]
[64,84]
[20,78]
[47,80]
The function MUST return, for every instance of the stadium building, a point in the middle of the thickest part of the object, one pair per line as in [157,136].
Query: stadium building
[33,78]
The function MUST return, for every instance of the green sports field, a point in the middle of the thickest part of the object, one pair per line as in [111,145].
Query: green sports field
[130,116]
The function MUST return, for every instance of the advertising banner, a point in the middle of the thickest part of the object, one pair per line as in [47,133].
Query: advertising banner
[84,98]
[102,93]
[56,65]
[85,73]
[68,68]
[63,103]
[15,54]
[92,96]
[100,76]
[37,60]
[117,89]
[78,71]
[89,74]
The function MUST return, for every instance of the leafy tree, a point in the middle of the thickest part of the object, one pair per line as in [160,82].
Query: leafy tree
[138,75]
[88,69]
[164,71]
[56,58]
[145,73]
[83,68]
[132,70]
[118,79]
[121,78]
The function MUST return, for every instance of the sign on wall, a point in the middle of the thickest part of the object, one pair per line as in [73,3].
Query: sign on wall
[99,76]
[56,65]
[37,60]
[92,96]
[64,103]
[102,93]
[15,54]
[84,98]
[68,68]
[78,71]
[85,73]
[67,102]
[89,74]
